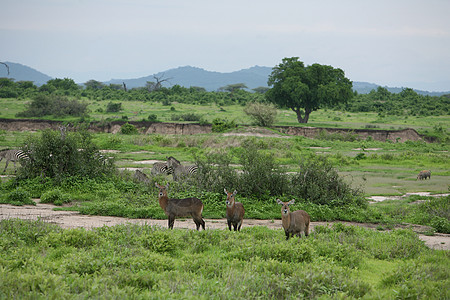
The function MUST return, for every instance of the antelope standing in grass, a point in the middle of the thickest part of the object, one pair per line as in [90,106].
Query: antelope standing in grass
[424,175]
[294,223]
[235,211]
[180,207]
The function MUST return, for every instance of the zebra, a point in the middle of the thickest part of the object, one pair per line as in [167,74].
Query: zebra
[161,168]
[141,176]
[12,155]
[179,170]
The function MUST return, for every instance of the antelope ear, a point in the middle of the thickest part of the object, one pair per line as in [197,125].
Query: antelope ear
[157,185]
[234,193]
[225,190]
[279,202]
[291,202]
[167,185]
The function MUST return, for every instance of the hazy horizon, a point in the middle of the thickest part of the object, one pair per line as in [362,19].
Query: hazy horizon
[402,43]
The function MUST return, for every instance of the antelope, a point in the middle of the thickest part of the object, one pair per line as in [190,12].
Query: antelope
[235,211]
[424,174]
[294,223]
[180,207]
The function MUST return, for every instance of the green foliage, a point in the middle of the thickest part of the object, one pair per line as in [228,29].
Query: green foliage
[19,196]
[55,196]
[222,125]
[63,154]
[306,89]
[262,114]
[405,103]
[128,128]
[318,182]
[113,107]
[142,261]
[54,105]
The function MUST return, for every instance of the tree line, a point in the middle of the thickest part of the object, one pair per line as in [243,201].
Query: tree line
[292,85]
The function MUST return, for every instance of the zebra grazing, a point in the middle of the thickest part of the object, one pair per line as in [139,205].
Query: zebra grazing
[141,176]
[179,170]
[424,175]
[161,168]
[12,155]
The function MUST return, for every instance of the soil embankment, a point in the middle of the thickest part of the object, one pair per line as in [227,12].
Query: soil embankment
[188,129]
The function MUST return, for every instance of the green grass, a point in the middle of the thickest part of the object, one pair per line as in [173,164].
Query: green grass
[149,262]
[138,110]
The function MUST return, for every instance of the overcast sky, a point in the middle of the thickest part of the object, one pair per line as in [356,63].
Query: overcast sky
[403,43]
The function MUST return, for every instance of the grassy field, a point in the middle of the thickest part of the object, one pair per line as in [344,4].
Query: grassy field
[138,110]
[41,261]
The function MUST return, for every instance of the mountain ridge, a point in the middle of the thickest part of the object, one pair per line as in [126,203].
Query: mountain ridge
[188,76]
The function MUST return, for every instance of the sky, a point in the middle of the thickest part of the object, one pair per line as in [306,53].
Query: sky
[396,43]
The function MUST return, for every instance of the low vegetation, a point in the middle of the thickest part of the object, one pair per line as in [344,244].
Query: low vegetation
[155,263]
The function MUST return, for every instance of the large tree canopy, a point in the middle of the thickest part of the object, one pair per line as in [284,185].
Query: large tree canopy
[306,89]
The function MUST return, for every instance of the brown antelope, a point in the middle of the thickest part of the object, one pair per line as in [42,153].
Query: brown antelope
[235,211]
[294,223]
[180,207]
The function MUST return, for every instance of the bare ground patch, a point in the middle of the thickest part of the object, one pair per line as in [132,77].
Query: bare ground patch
[72,219]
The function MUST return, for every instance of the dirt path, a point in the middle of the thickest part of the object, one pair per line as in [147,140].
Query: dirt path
[71,219]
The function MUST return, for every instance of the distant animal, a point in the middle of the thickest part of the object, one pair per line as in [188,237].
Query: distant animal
[161,168]
[294,223]
[424,175]
[141,176]
[180,171]
[235,211]
[180,207]
[12,155]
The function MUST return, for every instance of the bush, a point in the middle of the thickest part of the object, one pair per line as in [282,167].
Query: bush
[222,125]
[113,107]
[262,114]
[64,154]
[56,105]
[20,197]
[55,196]
[128,129]
[318,182]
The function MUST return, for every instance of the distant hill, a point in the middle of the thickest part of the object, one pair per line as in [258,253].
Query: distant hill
[191,76]
[20,72]
[188,76]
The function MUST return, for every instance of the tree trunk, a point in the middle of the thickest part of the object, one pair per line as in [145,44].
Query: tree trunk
[300,118]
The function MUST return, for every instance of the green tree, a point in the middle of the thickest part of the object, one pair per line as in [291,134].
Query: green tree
[94,85]
[306,89]
[233,87]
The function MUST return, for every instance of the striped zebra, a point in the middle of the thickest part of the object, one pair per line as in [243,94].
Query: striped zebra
[180,171]
[161,168]
[12,155]
[141,176]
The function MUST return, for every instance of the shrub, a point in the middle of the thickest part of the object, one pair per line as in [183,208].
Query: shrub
[19,197]
[128,129]
[262,114]
[152,118]
[63,154]
[113,107]
[222,125]
[56,197]
[56,105]
[318,182]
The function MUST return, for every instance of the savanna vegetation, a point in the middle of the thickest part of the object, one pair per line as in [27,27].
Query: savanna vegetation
[330,177]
